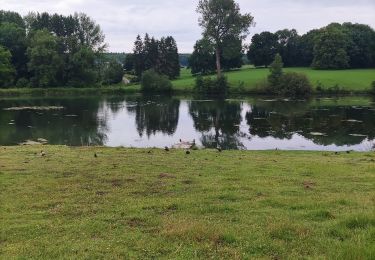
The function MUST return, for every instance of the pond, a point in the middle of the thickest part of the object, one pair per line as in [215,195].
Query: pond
[251,123]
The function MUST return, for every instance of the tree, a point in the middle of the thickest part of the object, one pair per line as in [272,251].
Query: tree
[113,73]
[158,55]
[81,68]
[232,53]
[361,47]
[202,60]
[6,68]
[288,46]
[276,71]
[11,17]
[306,48]
[168,61]
[330,49]
[13,37]
[263,49]
[221,19]
[139,57]
[129,62]
[44,60]
[90,33]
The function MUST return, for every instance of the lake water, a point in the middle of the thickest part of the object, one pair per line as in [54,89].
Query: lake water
[337,124]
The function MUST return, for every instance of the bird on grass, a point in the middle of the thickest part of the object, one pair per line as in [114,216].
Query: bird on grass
[42,153]
[166,149]
[95,155]
[187,152]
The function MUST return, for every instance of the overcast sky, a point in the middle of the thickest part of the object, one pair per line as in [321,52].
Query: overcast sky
[122,20]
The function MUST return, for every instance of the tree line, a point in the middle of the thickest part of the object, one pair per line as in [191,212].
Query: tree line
[150,53]
[335,46]
[44,50]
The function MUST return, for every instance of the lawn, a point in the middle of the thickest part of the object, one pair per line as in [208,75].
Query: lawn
[356,80]
[134,203]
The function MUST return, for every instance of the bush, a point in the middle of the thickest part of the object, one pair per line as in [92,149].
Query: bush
[294,85]
[22,83]
[290,84]
[208,85]
[153,82]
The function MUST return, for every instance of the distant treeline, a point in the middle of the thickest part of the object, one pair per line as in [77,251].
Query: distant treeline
[44,50]
[336,46]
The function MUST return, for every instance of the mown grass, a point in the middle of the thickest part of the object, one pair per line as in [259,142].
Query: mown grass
[249,79]
[141,204]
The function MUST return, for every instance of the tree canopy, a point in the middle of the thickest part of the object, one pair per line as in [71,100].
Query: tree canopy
[221,19]
[336,46]
[158,55]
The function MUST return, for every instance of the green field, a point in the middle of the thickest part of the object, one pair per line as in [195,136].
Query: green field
[134,203]
[350,80]
[247,80]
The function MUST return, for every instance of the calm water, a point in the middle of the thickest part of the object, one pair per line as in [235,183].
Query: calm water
[251,123]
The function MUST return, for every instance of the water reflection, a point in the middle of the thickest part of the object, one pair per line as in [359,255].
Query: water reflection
[219,122]
[255,123]
[77,124]
[155,114]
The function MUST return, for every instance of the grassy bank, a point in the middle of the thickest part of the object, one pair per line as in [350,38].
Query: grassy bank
[252,79]
[132,203]
[111,90]
[247,80]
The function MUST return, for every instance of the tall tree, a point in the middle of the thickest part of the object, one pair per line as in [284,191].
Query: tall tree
[232,53]
[169,63]
[44,60]
[11,17]
[221,19]
[13,37]
[263,49]
[81,68]
[330,49]
[6,68]
[139,57]
[202,60]
[361,47]
[288,46]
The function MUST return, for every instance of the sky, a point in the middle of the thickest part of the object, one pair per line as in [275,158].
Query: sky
[122,20]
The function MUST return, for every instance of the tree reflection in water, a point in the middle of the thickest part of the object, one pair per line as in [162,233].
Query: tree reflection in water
[324,125]
[219,122]
[155,114]
[76,124]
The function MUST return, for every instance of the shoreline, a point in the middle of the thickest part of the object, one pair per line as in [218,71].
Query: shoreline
[135,89]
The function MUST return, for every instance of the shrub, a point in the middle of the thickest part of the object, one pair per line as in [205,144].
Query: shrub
[208,85]
[294,84]
[22,83]
[153,82]
[290,84]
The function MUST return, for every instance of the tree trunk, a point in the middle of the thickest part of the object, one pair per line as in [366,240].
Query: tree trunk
[218,63]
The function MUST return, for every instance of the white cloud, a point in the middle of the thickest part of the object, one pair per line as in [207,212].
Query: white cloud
[122,20]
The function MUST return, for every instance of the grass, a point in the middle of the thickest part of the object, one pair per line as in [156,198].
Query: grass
[59,91]
[252,79]
[132,203]
[247,80]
